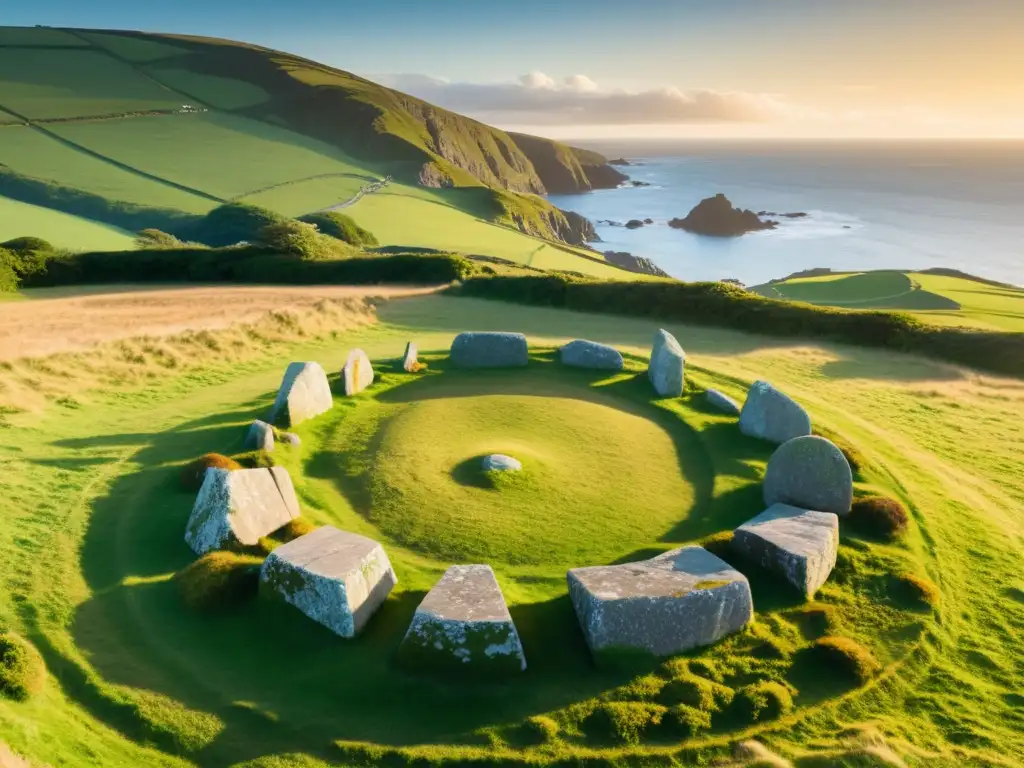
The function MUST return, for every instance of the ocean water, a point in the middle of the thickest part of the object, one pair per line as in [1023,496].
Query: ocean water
[871,205]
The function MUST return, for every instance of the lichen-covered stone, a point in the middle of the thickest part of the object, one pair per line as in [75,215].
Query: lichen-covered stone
[240,507]
[489,350]
[410,361]
[260,437]
[357,374]
[772,415]
[798,544]
[676,601]
[809,472]
[589,354]
[722,402]
[499,462]
[667,365]
[463,625]
[304,394]
[334,577]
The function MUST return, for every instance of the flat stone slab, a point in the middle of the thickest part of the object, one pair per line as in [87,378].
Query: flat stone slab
[304,394]
[240,507]
[499,462]
[589,354]
[410,361]
[809,472]
[667,365]
[722,402]
[357,373]
[334,577]
[676,601]
[489,350]
[798,544]
[260,437]
[463,624]
[772,415]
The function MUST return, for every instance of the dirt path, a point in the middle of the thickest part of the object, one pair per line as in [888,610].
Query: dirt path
[57,320]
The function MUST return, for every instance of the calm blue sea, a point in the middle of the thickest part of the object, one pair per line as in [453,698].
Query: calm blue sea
[872,205]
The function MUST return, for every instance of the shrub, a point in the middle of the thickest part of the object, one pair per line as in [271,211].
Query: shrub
[219,580]
[195,471]
[341,227]
[22,671]
[762,701]
[9,282]
[27,245]
[624,722]
[686,721]
[540,729]
[156,239]
[231,223]
[295,238]
[879,516]
[845,657]
[915,590]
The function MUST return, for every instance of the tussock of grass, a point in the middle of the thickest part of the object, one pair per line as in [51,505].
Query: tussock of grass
[195,471]
[696,692]
[915,590]
[298,527]
[259,459]
[644,688]
[540,729]
[762,701]
[623,722]
[684,721]
[219,580]
[754,754]
[844,657]
[879,516]
[22,671]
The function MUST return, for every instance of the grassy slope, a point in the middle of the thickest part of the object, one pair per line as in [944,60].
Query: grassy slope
[99,475]
[65,231]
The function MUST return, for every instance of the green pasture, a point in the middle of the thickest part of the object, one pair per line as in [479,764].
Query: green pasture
[38,36]
[137,50]
[219,92]
[992,306]
[306,196]
[61,229]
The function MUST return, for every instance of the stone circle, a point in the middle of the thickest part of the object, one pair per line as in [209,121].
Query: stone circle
[676,601]
[772,415]
[499,462]
[589,354]
[809,472]
[336,578]
[357,373]
[722,402]
[798,544]
[260,437]
[667,365]
[473,349]
[464,624]
[240,507]
[304,394]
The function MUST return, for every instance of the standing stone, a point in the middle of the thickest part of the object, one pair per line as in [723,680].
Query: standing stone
[499,462]
[334,577]
[671,603]
[260,437]
[464,625]
[304,394]
[798,544]
[771,415]
[809,472]
[410,363]
[589,354]
[722,402]
[357,373]
[489,350]
[667,363]
[240,507]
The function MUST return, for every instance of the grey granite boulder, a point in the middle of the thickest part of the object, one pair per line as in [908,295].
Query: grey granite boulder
[722,402]
[463,624]
[679,600]
[809,472]
[304,394]
[667,365]
[410,361]
[798,544]
[291,438]
[260,437]
[334,577]
[772,415]
[589,354]
[489,350]
[240,507]
[357,373]
[499,462]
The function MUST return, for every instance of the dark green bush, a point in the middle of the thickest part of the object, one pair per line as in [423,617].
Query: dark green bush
[540,729]
[22,671]
[879,517]
[27,245]
[229,224]
[762,701]
[295,238]
[696,692]
[341,227]
[195,471]
[219,580]
[9,281]
[153,239]
[844,657]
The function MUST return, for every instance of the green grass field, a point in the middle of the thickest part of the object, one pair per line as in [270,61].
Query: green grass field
[219,92]
[61,229]
[38,36]
[133,49]
[92,533]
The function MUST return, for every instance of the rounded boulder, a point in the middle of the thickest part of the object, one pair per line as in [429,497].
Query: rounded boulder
[499,462]
[809,472]
[772,415]
[589,354]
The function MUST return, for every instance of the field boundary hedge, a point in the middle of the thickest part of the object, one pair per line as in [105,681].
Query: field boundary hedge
[727,306]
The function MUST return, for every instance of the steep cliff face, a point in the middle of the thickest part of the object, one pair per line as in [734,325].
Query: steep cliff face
[566,170]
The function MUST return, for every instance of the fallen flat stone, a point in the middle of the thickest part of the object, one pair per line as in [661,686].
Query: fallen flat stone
[772,415]
[357,372]
[499,462]
[679,600]
[334,577]
[589,354]
[798,544]
[260,437]
[240,507]
[463,624]
[304,394]
[667,364]
[722,402]
[809,472]
[410,362]
[489,350]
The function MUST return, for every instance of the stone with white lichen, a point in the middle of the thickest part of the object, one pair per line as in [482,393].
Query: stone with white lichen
[668,362]
[772,415]
[304,394]
[260,437]
[489,350]
[334,577]
[357,373]
[463,626]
